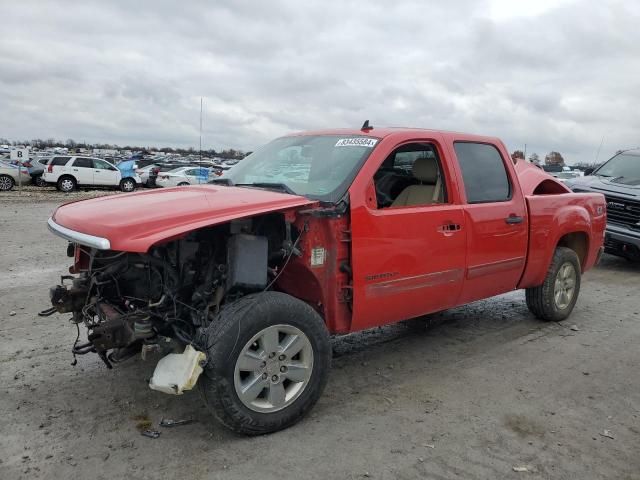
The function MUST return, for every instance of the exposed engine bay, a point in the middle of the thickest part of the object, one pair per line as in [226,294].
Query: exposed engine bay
[134,303]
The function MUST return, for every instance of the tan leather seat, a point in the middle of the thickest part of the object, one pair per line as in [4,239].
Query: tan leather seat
[425,170]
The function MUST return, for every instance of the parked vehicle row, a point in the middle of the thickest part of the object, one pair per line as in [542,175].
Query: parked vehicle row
[68,172]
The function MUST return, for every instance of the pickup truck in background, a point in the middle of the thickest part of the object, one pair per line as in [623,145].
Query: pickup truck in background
[317,233]
[618,179]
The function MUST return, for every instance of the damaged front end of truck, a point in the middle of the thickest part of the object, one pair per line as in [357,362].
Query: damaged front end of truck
[157,302]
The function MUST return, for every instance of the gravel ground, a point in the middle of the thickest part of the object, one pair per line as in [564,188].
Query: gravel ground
[484,392]
[31,193]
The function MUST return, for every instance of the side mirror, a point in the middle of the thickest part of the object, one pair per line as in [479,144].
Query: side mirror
[589,171]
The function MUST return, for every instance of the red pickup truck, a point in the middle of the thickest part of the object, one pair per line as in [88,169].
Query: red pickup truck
[314,234]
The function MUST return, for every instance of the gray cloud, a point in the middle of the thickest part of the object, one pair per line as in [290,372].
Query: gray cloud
[133,72]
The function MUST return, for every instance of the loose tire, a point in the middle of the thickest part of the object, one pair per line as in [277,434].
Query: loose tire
[6,183]
[268,359]
[127,185]
[67,184]
[555,298]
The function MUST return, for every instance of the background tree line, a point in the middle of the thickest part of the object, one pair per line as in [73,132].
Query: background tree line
[72,144]
[552,158]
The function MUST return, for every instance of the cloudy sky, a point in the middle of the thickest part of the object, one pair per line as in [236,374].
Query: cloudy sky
[556,75]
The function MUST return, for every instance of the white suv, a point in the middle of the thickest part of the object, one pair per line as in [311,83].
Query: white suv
[67,172]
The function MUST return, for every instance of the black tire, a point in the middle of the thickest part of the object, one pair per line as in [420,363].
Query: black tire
[6,183]
[541,300]
[127,185]
[183,184]
[38,181]
[67,184]
[225,339]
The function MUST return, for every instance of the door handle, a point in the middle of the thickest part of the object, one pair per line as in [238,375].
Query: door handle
[449,228]
[513,219]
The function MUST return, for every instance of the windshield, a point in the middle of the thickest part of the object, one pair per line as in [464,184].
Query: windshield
[320,167]
[623,168]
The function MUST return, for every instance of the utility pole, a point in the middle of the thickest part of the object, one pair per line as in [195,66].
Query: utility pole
[598,152]
[201,131]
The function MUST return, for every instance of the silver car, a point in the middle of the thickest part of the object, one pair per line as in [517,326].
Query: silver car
[11,175]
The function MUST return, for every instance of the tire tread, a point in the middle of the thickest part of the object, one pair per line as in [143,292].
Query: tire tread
[540,299]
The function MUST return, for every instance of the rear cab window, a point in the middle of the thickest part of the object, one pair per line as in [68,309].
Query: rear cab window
[484,173]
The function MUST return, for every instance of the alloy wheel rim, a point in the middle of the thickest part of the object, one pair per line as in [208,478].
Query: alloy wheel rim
[273,368]
[5,183]
[128,186]
[565,285]
[67,185]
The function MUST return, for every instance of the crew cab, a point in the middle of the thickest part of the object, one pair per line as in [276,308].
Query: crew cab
[69,172]
[316,233]
[618,179]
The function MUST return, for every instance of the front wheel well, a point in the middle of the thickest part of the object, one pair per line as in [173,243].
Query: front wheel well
[578,242]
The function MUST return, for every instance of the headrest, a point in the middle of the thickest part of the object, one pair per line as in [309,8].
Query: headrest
[425,170]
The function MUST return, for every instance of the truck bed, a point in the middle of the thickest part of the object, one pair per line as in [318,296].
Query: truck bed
[557,218]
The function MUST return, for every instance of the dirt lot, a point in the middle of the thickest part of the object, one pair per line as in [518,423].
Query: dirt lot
[487,389]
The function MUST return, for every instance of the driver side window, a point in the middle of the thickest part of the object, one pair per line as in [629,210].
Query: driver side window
[102,165]
[410,176]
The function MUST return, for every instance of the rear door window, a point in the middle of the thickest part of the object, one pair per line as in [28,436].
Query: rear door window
[83,162]
[59,161]
[483,172]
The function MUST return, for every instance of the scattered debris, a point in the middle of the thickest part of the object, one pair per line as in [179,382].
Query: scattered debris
[520,468]
[389,400]
[143,422]
[168,423]
[150,433]
[608,434]
[574,328]
[12,313]
[428,445]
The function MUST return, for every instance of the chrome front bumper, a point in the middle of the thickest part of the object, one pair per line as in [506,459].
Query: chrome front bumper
[79,237]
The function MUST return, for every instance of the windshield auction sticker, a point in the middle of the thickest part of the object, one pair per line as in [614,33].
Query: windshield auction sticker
[357,142]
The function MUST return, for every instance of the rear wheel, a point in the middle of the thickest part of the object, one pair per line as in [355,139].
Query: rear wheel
[66,184]
[183,184]
[39,181]
[555,298]
[269,357]
[6,183]
[127,185]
